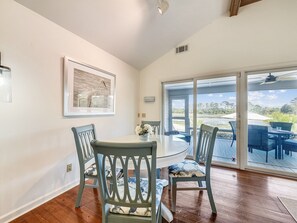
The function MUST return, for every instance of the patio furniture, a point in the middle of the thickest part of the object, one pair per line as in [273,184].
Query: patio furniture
[191,170]
[155,125]
[279,136]
[258,139]
[282,125]
[233,127]
[132,198]
[83,135]
[290,145]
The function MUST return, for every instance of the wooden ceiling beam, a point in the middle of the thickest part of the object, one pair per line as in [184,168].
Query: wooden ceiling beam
[234,7]
[247,2]
[235,4]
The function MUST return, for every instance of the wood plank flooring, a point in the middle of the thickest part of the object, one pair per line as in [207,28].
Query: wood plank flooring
[240,196]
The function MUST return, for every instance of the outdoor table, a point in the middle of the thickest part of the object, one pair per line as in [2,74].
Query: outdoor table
[280,134]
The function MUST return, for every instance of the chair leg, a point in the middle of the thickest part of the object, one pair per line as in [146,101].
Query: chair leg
[173,195]
[159,215]
[80,192]
[169,183]
[95,183]
[266,156]
[210,197]
[158,174]
[200,183]
[232,143]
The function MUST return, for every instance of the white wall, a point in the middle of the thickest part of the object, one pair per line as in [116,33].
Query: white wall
[36,142]
[263,35]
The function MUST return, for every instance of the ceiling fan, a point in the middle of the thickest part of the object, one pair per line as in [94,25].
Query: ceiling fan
[270,79]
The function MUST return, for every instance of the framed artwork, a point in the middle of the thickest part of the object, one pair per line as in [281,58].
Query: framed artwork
[87,90]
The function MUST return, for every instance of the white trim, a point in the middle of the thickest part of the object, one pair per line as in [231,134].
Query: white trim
[269,172]
[243,122]
[37,202]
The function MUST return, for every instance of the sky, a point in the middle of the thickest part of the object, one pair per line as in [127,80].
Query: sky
[267,98]
[272,98]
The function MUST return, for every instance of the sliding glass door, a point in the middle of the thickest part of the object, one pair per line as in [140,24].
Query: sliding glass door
[216,106]
[272,120]
[256,113]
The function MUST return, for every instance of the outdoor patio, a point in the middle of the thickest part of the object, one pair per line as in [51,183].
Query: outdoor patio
[224,153]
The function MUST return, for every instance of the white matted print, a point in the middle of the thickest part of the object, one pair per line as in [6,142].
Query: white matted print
[87,90]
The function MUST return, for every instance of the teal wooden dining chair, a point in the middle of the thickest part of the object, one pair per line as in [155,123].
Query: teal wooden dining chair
[83,135]
[131,198]
[155,125]
[192,170]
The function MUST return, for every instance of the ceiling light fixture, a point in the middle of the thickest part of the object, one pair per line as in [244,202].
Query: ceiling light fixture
[162,6]
[270,79]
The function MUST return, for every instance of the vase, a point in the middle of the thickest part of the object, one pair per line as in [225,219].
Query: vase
[144,137]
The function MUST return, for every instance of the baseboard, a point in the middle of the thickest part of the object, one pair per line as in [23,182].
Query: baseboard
[37,202]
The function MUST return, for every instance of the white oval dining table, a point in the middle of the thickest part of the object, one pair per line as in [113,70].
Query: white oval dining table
[170,149]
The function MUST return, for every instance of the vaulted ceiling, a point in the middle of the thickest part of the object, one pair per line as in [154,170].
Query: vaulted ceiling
[133,30]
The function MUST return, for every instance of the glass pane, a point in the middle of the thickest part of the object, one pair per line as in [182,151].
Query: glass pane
[179,124]
[178,111]
[178,108]
[216,106]
[272,109]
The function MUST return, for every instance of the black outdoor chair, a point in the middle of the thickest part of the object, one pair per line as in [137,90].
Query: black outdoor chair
[284,126]
[258,139]
[290,145]
[233,127]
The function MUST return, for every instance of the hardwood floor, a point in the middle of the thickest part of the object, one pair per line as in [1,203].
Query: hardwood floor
[240,196]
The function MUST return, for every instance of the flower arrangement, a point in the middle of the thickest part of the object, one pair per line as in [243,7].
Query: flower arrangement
[144,129]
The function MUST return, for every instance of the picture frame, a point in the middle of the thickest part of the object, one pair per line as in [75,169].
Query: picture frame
[88,90]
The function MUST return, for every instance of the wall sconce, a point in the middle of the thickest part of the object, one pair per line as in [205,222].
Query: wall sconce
[5,83]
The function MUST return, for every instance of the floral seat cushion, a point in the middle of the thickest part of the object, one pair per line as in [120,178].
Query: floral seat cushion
[187,168]
[144,189]
[92,171]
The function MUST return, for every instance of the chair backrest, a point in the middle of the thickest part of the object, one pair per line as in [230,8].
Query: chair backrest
[83,135]
[283,125]
[127,156]
[155,125]
[233,127]
[258,136]
[206,142]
